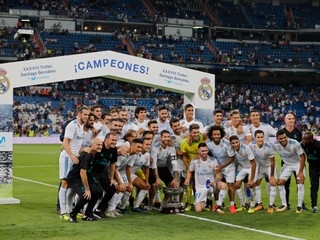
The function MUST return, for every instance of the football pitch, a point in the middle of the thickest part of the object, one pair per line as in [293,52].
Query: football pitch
[35,182]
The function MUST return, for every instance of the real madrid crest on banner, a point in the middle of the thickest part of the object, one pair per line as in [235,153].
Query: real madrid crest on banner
[205,90]
[4,81]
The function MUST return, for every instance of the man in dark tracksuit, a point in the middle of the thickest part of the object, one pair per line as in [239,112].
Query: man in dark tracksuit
[104,172]
[82,182]
[312,150]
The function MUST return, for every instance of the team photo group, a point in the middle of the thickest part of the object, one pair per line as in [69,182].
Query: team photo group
[109,164]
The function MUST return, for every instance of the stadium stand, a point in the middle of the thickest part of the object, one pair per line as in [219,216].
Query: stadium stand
[52,111]
[281,50]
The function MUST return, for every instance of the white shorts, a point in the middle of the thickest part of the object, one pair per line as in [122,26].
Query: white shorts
[229,173]
[133,177]
[287,170]
[65,165]
[266,172]
[201,194]
[243,172]
[124,178]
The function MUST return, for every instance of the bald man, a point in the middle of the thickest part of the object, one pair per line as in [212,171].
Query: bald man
[82,182]
[294,133]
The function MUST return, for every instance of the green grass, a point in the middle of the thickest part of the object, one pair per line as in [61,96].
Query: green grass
[35,217]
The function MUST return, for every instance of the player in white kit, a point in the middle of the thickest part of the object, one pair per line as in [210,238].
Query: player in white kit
[176,138]
[88,131]
[121,166]
[205,179]
[264,156]
[247,167]
[221,150]
[143,161]
[72,143]
[96,110]
[293,157]
[257,125]
[237,128]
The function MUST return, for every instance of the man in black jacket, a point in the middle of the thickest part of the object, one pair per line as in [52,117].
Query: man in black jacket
[312,150]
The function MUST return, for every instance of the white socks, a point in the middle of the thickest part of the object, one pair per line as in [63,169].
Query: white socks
[69,197]
[258,194]
[240,196]
[300,194]
[282,193]
[222,196]
[272,195]
[112,204]
[63,200]
[140,198]
[125,200]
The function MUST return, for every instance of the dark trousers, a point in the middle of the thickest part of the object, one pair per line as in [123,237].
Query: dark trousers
[96,193]
[314,174]
[109,191]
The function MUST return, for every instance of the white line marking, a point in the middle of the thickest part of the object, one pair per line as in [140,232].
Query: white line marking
[241,227]
[190,216]
[40,166]
[32,181]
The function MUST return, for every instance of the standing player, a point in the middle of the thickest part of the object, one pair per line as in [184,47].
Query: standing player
[88,134]
[221,150]
[264,155]
[177,136]
[247,168]
[153,127]
[237,128]
[294,133]
[189,148]
[71,146]
[163,122]
[205,180]
[81,181]
[269,131]
[140,123]
[217,120]
[256,124]
[96,110]
[312,150]
[293,157]
[162,155]
[189,119]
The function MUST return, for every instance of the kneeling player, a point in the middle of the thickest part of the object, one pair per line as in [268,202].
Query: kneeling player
[143,161]
[205,179]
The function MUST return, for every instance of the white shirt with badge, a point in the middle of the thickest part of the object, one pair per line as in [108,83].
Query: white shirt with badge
[290,154]
[203,170]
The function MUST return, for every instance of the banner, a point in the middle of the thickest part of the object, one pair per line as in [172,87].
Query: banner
[197,87]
